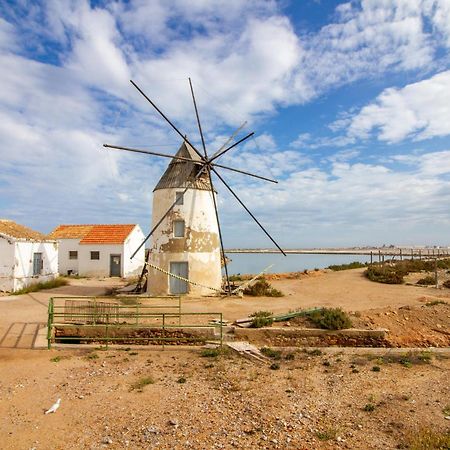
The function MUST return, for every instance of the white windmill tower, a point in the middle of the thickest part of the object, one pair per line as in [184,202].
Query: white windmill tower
[187,242]
[187,247]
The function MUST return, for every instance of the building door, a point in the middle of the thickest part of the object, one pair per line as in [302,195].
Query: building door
[114,266]
[37,263]
[178,286]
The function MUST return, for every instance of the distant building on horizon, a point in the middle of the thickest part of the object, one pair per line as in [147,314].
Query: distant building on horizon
[26,257]
[99,250]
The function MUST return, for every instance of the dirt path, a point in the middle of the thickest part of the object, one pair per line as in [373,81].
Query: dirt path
[349,290]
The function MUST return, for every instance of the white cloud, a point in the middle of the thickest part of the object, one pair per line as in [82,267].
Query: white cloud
[419,110]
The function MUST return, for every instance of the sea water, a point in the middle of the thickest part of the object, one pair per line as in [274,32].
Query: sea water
[256,262]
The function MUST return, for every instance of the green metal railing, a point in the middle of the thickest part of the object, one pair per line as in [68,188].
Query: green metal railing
[99,319]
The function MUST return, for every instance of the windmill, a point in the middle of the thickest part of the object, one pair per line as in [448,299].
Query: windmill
[189,176]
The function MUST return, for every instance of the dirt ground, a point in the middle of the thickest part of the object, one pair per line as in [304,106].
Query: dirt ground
[308,400]
[312,401]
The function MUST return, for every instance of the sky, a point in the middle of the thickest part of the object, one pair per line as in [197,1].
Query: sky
[349,102]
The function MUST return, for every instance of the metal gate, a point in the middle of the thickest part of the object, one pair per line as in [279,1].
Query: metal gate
[178,286]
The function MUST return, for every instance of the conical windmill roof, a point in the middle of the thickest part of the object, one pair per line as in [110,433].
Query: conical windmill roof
[181,174]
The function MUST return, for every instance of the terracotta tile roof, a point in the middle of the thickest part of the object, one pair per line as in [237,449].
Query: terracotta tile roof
[70,231]
[94,234]
[15,230]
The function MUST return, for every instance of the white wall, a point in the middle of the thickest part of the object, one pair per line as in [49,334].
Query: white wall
[6,264]
[23,263]
[134,266]
[66,264]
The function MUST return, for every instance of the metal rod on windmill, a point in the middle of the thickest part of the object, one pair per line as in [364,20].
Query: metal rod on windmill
[191,171]
[208,168]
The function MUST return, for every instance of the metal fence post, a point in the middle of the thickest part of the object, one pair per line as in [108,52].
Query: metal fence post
[107,327]
[49,323]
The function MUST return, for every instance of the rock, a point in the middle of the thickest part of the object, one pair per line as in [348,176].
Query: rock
[173,422]
[107,440]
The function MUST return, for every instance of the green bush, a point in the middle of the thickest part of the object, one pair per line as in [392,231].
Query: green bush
[427,281]
[352,265]
[271,353]
[262,289]
[385,274]
[330,318]
[261,319]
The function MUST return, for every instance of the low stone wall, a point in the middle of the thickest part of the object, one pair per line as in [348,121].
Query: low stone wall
[81,334]
[305,337]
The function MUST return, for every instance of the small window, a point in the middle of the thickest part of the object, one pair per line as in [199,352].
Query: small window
[178,228]
[38,263]
[95,255]
[179,198]
[73,255]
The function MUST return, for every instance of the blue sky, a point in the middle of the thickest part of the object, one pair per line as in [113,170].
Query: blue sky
[349,101]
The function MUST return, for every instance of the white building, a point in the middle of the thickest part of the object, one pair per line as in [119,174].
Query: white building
[26,257]
[99,250]
[186,243]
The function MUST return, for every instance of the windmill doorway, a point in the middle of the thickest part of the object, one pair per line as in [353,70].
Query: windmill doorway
[178,286]
[115,265]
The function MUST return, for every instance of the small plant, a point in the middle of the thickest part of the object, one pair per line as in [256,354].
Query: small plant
[446,410]
[369,407]
[326,435]
[405,362]
[425,357]
[271,353]
[330,318]
[210,353]
[426,281]
[181,380]
[261,288]
[354,370]
[92,356]
[274,366]
[446,284]
[56,359]
[133,353]
[141,383]
[261,319]
[376,368]
[57,282]
[326,363]
[315,352]
[289,356]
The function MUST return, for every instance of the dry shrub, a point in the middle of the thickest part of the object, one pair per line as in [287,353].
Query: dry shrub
[262,289]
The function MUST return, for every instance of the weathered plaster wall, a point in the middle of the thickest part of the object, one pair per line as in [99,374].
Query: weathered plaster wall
[200,246]
[23,262]
[6,264]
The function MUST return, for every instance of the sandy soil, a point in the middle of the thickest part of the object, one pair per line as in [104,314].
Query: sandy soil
[311,402]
